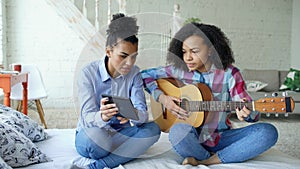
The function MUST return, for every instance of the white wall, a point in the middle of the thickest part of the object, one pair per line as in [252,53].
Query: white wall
[260,32]
[36,34]
[295,36]
[2,32]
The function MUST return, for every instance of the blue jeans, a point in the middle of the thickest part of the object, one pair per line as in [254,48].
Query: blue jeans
[235,145]
[111,148]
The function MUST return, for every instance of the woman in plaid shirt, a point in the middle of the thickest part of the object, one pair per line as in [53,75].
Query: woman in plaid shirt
[201,53]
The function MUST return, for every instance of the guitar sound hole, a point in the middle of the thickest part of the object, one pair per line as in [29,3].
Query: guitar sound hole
[185,104]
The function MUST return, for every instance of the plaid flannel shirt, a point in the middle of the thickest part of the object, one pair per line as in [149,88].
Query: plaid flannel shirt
[225,85]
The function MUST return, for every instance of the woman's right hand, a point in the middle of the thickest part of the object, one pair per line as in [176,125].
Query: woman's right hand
[107,110]
[170,103]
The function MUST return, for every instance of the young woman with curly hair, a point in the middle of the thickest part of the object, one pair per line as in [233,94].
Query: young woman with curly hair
[201,53]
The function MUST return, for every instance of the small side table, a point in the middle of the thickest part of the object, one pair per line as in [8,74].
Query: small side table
[7,80]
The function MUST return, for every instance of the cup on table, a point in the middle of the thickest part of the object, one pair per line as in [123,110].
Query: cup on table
[16,67]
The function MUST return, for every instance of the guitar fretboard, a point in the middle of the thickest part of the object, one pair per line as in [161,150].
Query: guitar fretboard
[214,105]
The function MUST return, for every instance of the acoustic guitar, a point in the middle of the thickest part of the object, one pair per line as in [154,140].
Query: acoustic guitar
[198,101]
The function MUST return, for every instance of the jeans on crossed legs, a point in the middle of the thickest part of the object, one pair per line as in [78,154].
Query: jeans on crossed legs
[235,145]
[111,148]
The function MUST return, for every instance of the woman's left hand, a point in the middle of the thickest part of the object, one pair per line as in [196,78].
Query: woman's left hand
[243,113]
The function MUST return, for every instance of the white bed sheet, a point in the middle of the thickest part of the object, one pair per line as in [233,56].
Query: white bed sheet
[60,147]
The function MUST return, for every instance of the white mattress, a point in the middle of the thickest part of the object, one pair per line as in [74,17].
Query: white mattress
[60,148]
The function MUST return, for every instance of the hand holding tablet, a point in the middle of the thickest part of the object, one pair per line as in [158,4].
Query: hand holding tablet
[124,105]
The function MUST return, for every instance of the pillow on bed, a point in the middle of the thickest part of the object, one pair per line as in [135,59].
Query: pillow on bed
[3,165]
[292,81]
[22,123]
[254,86]
[17,150]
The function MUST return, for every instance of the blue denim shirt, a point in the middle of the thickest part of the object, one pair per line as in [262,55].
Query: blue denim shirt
[94,80]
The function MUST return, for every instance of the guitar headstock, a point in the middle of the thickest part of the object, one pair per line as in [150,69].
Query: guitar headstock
[274,105]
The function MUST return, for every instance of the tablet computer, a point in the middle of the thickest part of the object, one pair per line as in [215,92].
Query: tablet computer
[124,105]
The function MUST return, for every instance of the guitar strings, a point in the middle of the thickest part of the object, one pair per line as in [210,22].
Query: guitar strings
[213,105]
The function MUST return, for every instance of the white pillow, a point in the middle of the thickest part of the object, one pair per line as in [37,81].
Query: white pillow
[3,164]
[254,86]
[22,123]
[17,150]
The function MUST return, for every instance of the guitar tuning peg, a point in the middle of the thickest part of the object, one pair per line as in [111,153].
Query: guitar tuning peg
[268,114]
[286,114]
[276,114]
[275,94]
[284,94]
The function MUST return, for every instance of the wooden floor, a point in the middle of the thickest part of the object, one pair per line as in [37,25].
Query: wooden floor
[288,128]
[56,118]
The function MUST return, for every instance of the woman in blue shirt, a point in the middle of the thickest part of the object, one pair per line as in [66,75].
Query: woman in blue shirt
[102,135]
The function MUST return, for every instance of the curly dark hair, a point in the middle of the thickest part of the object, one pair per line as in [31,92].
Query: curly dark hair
[222,55]
[122,27]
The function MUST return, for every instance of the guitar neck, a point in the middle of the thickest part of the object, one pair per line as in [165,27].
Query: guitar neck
[214,105]
[191,95]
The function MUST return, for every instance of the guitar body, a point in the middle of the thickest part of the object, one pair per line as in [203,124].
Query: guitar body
[198,101]
[166,119]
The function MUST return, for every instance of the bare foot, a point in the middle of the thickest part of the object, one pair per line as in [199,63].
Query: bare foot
[214,159]
[190,160]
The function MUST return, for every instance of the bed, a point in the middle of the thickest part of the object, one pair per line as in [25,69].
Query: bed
[59,146]
[26,145]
